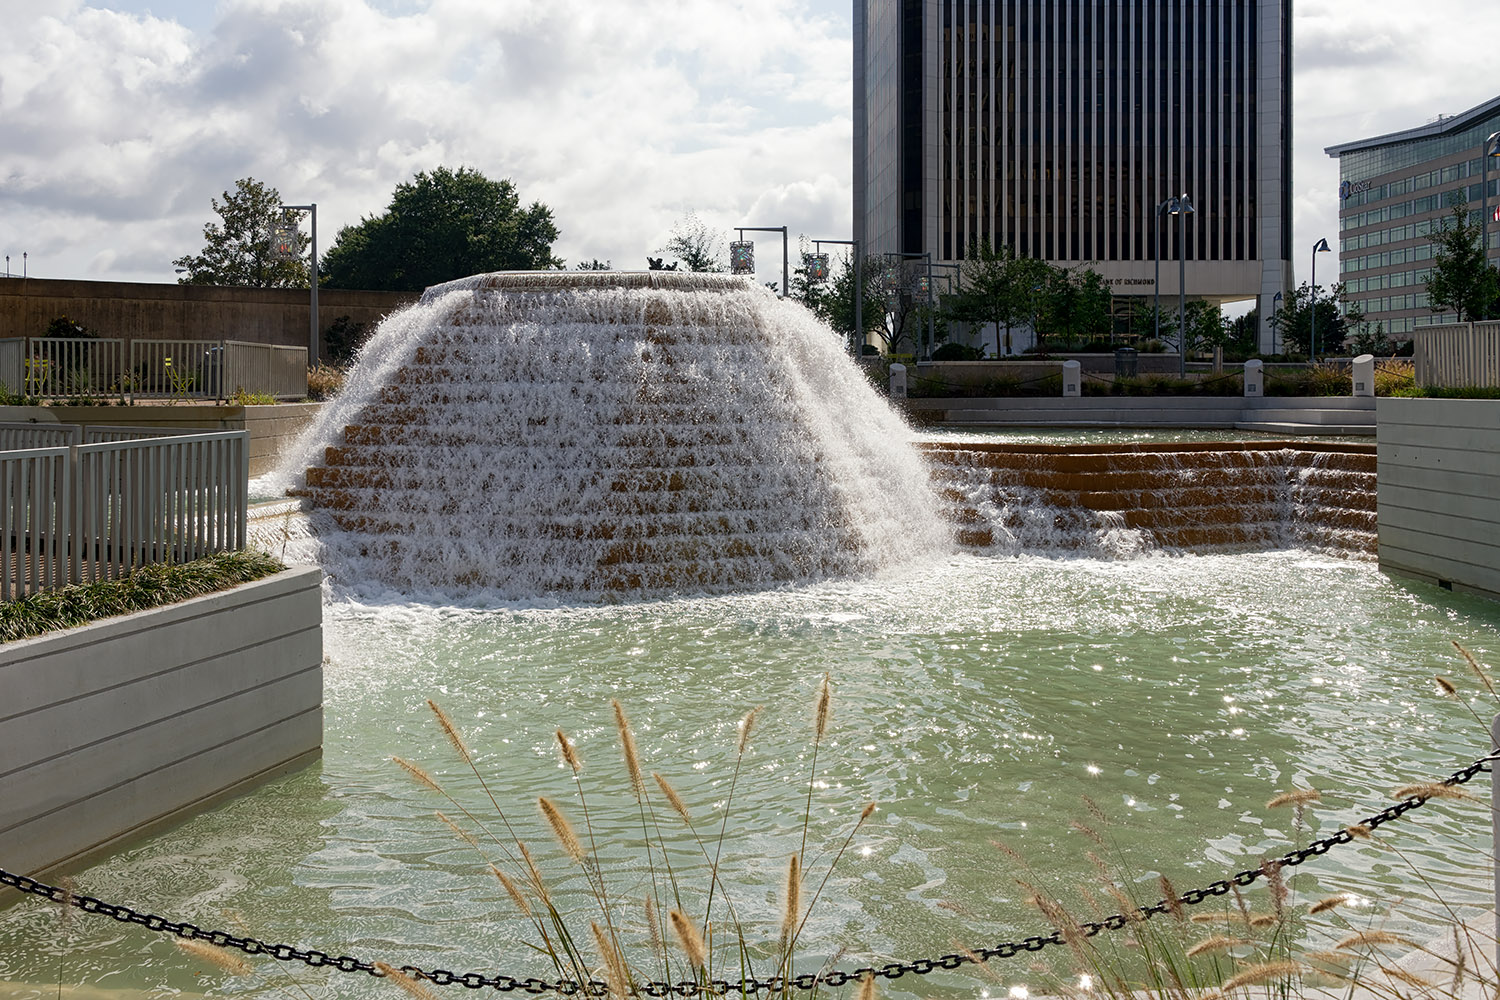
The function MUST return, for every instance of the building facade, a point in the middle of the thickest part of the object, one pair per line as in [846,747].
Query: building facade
[1058,127]
[1394,191]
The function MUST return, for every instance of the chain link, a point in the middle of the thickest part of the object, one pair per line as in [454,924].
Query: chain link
[749,986]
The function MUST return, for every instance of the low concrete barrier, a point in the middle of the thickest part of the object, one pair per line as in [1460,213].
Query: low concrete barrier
[1439,493]
[115,727]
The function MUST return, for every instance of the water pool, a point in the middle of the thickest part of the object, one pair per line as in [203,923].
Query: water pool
[976,700]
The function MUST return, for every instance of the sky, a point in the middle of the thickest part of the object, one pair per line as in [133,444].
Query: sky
[120,120]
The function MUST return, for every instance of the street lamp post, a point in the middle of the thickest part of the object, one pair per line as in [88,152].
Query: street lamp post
[312,269]
[1182,211]
[1312,342]
[786,269]
[858,339]
[1156,307]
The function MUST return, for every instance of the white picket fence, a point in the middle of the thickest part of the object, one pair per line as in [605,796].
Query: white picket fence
[1457,355]
[81,512]
[65,367]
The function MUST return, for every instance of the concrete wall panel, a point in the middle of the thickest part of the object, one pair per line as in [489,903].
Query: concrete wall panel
[1438,469]
[112,727]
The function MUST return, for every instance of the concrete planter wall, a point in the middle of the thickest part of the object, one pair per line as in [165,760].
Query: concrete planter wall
[271,427]
[1439,492]
[109,729]
[1332,414]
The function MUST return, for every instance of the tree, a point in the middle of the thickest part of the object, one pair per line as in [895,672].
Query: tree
[695,245]
[440,226]
[1293,321]
[991,293]
[1206,328]
[833,302]
[594,265]
[237,250]
[1461,279]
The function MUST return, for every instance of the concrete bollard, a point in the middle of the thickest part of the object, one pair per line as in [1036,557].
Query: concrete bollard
[1255,378]
[898,381]
[1072,378]
[1364,375]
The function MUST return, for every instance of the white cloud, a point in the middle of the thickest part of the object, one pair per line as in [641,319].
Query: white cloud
[618,116]
[621,115]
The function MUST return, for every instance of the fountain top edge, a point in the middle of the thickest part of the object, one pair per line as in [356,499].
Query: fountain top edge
[554,281]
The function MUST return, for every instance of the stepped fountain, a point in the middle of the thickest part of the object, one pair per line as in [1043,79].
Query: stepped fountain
[587,434]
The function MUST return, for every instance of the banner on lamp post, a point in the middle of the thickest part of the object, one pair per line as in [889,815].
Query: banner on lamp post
[742,257]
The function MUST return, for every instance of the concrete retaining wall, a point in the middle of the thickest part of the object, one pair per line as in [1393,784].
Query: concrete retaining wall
[1439,491]
[1137,411]
[271,428]
[142,311]
[112,728]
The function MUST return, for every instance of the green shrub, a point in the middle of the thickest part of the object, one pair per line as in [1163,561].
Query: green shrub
[148,587]
[324,382]
[957,352]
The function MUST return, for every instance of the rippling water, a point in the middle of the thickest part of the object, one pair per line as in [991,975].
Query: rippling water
[977,702]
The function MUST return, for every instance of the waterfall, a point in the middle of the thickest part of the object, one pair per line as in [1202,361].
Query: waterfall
[1118,501]
[592,434]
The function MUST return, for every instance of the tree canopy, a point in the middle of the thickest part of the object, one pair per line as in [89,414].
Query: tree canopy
[695,245]
[440,226]
[237,249]
[1462,279]
[1293,322]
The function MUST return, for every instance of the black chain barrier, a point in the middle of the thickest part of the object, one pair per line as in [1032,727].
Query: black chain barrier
[751,985]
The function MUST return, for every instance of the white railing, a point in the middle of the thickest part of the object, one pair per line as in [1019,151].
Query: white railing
[1457,355]
[180,369]
[18,435]
[61,367]
[35,505]
[265,368]
[73,366]
[97,511]
[13,365]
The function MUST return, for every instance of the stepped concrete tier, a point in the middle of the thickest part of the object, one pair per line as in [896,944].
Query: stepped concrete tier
[586,434]
[1119,500]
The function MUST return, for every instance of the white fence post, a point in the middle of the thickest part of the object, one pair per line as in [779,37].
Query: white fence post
[1364,375]
[1072,378]
[898,381]
[1255,377]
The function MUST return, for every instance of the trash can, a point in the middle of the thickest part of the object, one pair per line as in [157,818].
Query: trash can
[1126,359]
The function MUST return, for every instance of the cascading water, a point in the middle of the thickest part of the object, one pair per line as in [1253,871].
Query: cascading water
[584,435]
[1117,501]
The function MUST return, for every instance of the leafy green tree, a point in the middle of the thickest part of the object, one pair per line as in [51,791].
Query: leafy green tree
[698,247]
[237,249]
[1206,328]
[834,301]
[594,265]
[1462,280]
[991,293]
[1075,303]
[1293,321]
[440,226]
[1242,334]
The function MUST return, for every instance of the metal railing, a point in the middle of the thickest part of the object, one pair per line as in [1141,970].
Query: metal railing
[73,366]
[181,369]
[265,368]
[63,367]
[96,511]
[1457,355]
[19,435]
[13,364]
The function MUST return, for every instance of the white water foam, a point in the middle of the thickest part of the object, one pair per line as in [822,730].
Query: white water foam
[611,435]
